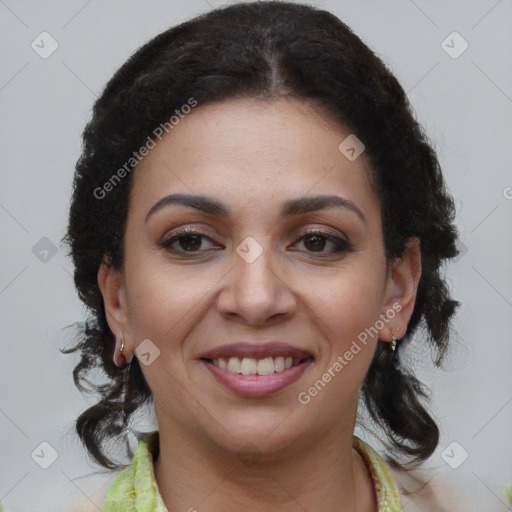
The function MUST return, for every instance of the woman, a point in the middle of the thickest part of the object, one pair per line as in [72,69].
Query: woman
[257,226]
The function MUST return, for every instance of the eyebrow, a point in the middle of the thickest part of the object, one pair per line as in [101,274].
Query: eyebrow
[290,207]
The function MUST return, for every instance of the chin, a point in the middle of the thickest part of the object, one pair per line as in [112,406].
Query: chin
[263,434]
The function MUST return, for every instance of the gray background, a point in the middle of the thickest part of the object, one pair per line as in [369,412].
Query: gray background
[465,105]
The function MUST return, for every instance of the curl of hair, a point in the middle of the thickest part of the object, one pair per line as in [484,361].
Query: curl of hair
[264,50]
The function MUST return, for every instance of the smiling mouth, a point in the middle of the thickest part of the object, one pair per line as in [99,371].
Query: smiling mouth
[253,366]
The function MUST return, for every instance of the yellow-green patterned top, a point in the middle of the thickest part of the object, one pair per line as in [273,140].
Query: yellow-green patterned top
[135,489]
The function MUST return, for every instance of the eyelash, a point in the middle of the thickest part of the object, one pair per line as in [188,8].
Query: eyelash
[342,246]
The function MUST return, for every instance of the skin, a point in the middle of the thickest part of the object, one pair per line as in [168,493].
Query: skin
[252,155]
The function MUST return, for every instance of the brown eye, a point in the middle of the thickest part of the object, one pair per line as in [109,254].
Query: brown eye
[186,240]
[316,241]
[190,242]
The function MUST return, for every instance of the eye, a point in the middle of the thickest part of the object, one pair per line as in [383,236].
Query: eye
[316,240]
[188,239]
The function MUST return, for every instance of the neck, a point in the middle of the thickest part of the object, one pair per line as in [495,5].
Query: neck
[325,476]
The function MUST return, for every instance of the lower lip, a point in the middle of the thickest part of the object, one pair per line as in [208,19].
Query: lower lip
[258,385]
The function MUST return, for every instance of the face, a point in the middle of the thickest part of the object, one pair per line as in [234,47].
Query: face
[264,265]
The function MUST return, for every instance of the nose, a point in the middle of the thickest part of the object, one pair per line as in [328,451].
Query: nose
[255,292]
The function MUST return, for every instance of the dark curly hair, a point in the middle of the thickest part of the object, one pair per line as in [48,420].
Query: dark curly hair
[264,50]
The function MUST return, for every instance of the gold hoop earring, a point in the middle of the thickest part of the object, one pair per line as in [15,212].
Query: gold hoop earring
[127,367]
[120,351]
[394,339]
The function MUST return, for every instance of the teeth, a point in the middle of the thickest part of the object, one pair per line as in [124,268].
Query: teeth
[266,366]
[233,365]
[248,366]
[252,366]
[279,364]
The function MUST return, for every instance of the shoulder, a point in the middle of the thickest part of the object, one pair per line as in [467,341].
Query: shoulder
[117,480]
[428,489]
[89,497]
[418,490]
[91,503]
[421,491]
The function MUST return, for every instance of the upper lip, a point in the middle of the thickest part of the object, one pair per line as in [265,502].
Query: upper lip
[256,351]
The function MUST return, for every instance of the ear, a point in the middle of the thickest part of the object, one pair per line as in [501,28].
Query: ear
[112,286]
[402,287]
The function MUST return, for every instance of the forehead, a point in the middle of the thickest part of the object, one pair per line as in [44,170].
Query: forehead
[249,151]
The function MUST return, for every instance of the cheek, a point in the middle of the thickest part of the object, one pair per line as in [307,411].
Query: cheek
[161,302]
[347,304]
[347,308]
[163,306]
